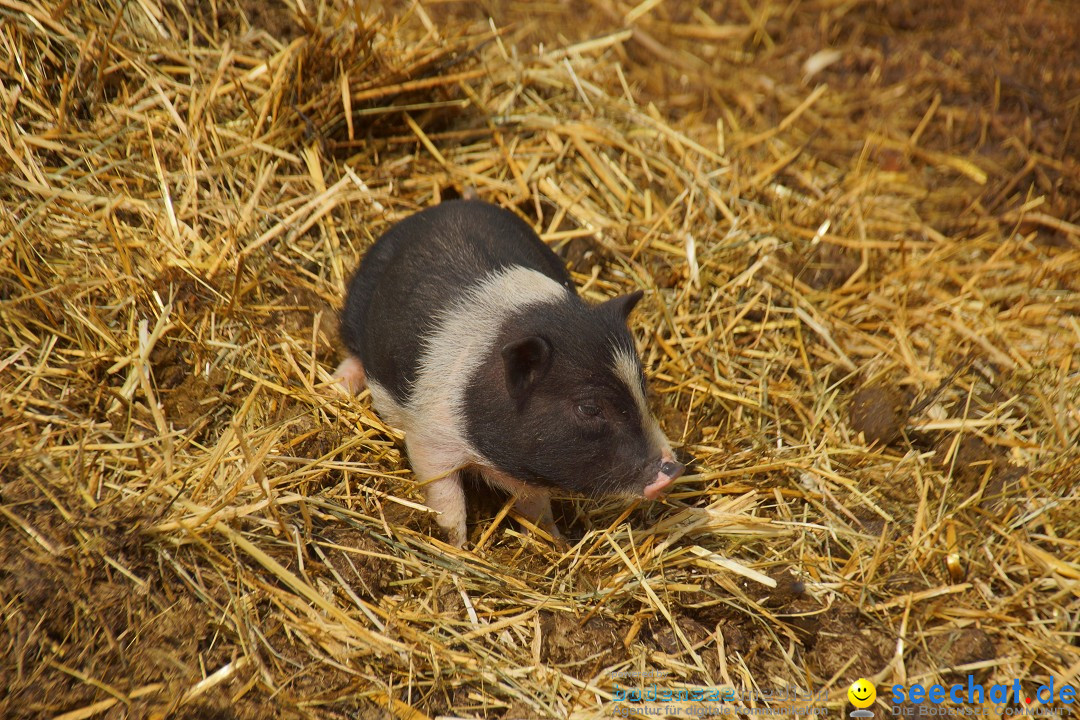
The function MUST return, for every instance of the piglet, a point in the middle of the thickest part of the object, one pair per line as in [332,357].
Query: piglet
[468,332]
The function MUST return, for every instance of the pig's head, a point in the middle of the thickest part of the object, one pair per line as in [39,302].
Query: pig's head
[560,402]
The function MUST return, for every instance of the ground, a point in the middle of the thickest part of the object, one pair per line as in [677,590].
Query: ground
[858,228]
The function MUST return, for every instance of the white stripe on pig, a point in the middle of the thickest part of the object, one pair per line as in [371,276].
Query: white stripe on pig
[433,418]
[628,370]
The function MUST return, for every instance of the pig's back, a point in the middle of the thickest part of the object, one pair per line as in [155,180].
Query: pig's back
[422,266]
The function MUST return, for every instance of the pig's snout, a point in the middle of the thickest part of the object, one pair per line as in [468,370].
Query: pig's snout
[670,469]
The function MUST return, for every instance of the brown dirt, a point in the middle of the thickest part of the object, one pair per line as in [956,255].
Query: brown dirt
[879,413]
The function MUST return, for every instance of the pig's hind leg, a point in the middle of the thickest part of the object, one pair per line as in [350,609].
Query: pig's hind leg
[350,374]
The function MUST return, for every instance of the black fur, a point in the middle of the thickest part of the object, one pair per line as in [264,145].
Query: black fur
[420,266]
[525,361]
[543,436]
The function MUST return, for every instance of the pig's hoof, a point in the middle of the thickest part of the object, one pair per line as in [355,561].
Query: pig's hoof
[551,529]
[350,375]
[559,540]
[456,538]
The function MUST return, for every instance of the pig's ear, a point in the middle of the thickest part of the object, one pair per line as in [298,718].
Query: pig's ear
[624,304]
[525,361]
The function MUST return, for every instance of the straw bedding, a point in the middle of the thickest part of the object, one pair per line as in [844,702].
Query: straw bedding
[858,227]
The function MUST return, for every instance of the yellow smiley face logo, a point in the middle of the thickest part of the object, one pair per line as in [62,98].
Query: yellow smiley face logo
[861,693]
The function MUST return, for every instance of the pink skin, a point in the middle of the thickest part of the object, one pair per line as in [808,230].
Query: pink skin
[350,374]
[664,478]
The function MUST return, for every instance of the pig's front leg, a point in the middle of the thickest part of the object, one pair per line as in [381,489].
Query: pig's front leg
[446,497]
[533,502]
[536,506]
[443,493]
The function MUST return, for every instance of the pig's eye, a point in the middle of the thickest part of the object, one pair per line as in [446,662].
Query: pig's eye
[589,410]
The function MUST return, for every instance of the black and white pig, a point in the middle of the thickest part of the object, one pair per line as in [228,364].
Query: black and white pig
[467,330]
